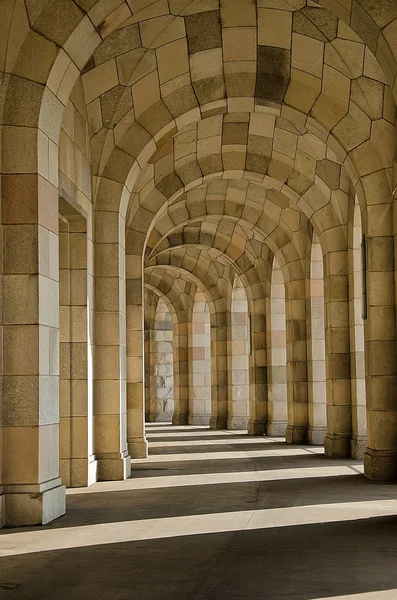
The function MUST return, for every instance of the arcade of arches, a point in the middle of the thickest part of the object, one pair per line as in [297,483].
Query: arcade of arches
[198,225]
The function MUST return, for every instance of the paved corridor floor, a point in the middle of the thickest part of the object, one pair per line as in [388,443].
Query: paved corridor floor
[214,515]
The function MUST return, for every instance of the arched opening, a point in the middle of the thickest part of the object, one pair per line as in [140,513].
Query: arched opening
[161,365]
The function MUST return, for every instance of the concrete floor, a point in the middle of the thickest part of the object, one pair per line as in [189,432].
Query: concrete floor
[214,515]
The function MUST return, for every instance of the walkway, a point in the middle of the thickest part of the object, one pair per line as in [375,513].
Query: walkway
[214,515]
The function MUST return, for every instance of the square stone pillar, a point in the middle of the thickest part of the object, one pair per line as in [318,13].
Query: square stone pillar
[114,462]
[200,357]
[317,392]
[337,355]
[182,333]
[238,359]
[77,460]
[356,313]
[380,459]
[258,369]
[379,223]
[34,493]
[219,373]
[297,392]
[137,443]
[276,354]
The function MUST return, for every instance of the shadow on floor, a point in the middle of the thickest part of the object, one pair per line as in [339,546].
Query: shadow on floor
[207,486]
[207,447]
[204,437]
[302,562]
[178,466]
[195,521]
[130,505]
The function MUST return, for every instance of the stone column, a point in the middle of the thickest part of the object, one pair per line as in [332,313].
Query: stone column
[258,392]
[150,303]
[277,355]
[110,347]
[337,354]
[317,388]
[182,332]
[297,428]
[34,493]
[380,459]
[238,359]
[78,464]
[137,443]
[357,358]
[148,337]
[219,372]
[200,376]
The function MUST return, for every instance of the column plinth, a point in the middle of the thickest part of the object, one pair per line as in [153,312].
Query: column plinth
[316,435]
[203,420]
[256,428]
[296,434]
[358,446]
[237,423]
[276,428]
[380,465]
[114,467]
[218,422]
[180,419]
[138,447]
[34,504]
[337,445]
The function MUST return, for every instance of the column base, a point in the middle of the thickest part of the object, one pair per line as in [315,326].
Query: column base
[380,465]
[296,434]
[316,435]
[137,447]
[256,428]
[160,418]
[33,505]
[179,419]
[237,423]
[276,428]
[203,420]
[114,467]
[337,445]
[358,445]
[218,422]
[78,472]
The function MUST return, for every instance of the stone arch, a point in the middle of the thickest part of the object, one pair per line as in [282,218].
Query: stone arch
[160,371]
[178,299]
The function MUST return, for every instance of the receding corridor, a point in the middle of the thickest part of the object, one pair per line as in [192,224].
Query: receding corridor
[214,515]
